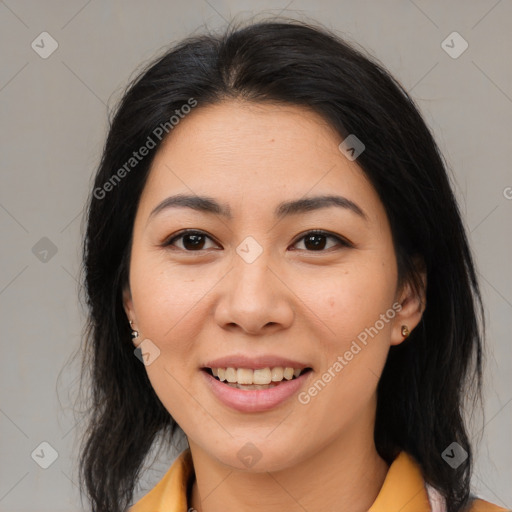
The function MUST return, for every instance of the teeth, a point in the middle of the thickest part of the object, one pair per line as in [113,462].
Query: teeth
[231,375]
[288,373]
[259,377]
[277,374]
[244,376]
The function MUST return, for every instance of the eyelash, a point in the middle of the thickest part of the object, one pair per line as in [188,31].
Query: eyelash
[341,241]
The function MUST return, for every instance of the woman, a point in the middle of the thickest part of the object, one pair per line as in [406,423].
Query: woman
[273,234]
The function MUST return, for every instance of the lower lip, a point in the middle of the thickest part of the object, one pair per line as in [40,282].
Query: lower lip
[254,400]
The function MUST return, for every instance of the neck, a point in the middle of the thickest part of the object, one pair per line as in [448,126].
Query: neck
[345,475]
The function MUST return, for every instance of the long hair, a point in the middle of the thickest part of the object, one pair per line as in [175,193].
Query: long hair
[420,396]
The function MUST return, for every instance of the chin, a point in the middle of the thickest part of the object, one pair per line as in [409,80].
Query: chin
[257,455]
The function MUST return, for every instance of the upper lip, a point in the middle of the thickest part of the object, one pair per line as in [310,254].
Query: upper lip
[254,362]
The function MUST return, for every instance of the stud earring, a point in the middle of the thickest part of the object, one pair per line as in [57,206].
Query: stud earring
[405,331]
[135,334]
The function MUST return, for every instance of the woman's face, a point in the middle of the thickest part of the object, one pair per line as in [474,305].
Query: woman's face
[253,288]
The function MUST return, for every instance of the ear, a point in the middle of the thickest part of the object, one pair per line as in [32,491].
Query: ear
[128,307]
[412,303]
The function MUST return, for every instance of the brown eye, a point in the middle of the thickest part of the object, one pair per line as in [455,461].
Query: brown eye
[190,241]
[317,241]
[314,241]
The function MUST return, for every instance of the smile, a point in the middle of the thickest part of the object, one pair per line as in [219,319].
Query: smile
[260,378]
[281,384]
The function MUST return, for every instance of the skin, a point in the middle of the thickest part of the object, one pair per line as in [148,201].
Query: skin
[292,301]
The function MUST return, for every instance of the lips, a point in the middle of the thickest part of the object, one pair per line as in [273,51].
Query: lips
[242,382]
[253,398]
[255,362]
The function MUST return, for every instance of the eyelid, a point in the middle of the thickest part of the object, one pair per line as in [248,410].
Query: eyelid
[176,236]
[340,239]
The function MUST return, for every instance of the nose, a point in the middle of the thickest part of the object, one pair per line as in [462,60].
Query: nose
[254,298]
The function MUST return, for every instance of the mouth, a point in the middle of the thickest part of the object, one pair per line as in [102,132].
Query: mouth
[255,390]
[261,378]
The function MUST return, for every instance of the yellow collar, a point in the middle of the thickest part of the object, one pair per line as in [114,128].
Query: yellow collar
[403,489]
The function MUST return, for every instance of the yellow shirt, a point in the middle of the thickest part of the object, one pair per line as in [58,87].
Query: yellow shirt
[403,489]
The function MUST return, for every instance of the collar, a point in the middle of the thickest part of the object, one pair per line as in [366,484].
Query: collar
[170,494]
[404,489]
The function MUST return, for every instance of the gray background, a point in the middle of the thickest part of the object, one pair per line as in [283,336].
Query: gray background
[53,123]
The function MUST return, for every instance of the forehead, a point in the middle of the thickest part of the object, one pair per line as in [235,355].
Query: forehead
[259,133]
[254,154]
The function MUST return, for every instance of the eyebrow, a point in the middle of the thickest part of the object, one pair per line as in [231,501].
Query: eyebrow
[209,205]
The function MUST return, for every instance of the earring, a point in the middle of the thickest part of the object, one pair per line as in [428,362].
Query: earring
[405,331]
[135,334]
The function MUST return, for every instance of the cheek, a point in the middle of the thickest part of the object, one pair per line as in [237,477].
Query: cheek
[166,297]
[356,315]
[355,309]
[167,302]
[349,300]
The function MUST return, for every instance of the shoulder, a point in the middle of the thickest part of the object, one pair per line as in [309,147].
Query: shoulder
[479,505]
